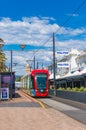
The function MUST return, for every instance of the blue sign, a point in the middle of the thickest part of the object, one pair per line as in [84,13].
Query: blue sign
[62,52]
[63,64]
[4,93]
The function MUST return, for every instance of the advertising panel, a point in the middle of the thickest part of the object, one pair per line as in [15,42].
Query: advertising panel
[7,78]
[4,93]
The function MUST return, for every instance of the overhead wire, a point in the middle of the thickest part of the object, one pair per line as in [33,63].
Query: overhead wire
[81,4]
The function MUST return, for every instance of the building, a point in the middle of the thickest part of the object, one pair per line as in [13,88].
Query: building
[74,74]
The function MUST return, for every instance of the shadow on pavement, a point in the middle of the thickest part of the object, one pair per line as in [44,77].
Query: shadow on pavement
[17,95]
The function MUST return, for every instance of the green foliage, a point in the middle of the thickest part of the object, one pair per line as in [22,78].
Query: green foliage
[85,89]
[75,89]
[68,89]
[2,62]
[60,88]
[81,89]
[18,79]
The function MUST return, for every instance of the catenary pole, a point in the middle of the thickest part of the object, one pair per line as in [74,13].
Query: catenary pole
[54,74]
[11,75]
[34,62]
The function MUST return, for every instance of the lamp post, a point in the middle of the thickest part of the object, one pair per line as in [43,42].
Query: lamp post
[22,46]
[1,45]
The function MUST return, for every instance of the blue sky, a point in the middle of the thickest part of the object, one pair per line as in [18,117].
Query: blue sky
[58,9]
[33,22]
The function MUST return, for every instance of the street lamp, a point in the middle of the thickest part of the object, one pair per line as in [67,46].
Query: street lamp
[22,46]
[1,45]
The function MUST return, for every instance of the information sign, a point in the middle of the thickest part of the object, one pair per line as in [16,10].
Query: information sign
[4,93]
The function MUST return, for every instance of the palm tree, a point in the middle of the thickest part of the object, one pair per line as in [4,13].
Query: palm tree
[2,57]
[2,62]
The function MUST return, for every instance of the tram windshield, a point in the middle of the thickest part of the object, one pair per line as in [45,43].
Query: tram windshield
[41,81]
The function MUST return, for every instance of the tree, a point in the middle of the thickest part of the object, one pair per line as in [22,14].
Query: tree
[2,62]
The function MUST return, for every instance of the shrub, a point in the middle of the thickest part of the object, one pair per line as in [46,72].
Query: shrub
[60,88]
[81,89]
[68,89]
[75,89]
[85,89]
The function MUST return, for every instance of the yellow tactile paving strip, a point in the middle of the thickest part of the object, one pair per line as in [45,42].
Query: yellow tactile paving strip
[23,100]
[41,104]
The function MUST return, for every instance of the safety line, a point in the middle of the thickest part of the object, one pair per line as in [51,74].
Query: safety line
[33,99]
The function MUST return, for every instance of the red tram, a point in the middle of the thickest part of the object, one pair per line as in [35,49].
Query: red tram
[36,83]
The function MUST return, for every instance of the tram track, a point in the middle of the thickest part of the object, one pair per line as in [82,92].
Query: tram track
[76,104]
[77,112]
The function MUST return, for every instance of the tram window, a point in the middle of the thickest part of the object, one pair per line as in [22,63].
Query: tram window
[32,82]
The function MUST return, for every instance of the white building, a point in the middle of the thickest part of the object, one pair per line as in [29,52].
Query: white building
[76,60]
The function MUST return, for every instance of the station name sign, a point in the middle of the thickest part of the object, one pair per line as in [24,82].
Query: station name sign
[62,52]
[63,64]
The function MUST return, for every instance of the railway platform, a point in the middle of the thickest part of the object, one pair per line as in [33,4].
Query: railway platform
[33,116]
[20,100]
[73,109]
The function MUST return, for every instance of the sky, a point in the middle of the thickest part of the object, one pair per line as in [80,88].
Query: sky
[33,22]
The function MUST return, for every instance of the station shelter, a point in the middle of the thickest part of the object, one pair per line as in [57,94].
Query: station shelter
[7,85]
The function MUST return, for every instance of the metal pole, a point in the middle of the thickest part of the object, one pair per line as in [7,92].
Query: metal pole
[37,65]
[54,65]
[42,66]
[0,85]
[34,62]
[11,77]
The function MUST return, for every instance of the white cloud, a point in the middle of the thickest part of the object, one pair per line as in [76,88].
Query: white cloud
[38,31]
[28,30]
[71,43]
[77,31]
